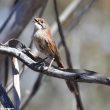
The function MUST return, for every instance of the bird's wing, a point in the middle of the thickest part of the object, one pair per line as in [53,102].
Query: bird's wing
[52,49]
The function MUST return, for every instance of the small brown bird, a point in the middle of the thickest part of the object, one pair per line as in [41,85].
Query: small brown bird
[44,41]
[46,45]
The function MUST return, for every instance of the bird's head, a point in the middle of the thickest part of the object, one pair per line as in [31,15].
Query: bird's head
[40,23]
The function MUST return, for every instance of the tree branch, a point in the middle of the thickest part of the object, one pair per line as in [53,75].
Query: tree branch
[4,99]
[77,75]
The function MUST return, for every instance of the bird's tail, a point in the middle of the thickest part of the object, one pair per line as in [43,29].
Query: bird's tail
[73,86]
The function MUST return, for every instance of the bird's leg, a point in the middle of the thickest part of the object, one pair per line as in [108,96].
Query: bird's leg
[51,63]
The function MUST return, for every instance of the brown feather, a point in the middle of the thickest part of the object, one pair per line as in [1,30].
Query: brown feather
[53,51]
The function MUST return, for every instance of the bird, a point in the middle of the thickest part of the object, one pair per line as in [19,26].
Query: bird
[44,42]
[46,45]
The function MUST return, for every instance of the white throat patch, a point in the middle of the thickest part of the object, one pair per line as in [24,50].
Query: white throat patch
[37,26]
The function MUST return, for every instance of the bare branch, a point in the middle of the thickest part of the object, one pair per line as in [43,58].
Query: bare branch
[68,57]
[73,86]
[85,76]
[4,99]
[10,85]
[16,83]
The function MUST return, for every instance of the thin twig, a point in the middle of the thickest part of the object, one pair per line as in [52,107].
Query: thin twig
[68,57]
[73,86]
[16,83]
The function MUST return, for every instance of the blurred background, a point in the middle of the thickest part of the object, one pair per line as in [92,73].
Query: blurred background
[86,28]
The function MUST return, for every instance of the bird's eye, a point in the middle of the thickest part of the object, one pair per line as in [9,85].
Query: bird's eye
[41,21]
[35,19]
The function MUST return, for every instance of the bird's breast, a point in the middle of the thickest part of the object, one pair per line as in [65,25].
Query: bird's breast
[40,42]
